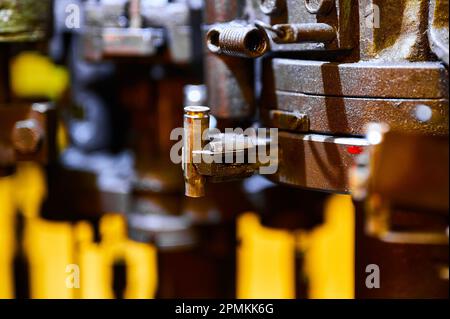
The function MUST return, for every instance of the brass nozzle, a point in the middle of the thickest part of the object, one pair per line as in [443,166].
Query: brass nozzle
[196,124]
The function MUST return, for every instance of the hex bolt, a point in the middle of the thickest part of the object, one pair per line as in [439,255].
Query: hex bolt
[196,123]
[319,6]
[26,136]
[238,41]
[271,7]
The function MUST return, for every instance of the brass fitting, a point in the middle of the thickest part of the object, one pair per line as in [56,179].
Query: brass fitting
[196,123]
[238,41]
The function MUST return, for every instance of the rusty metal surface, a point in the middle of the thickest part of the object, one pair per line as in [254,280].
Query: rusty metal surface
[230,86]
[289,121]
[316,161]
[340,15]
[399,35]
[427,80]
[438,29]
[349,116]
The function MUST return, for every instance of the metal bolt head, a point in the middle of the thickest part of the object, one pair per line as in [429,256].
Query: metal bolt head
[319,6]
[26,136]
[270,7]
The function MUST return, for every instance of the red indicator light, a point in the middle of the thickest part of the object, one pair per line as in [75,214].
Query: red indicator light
[355,150]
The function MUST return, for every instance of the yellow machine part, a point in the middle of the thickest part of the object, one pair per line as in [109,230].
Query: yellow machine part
[330,251]
[266,261]
[7,210]
[36,76]
[52,247]
[266,257]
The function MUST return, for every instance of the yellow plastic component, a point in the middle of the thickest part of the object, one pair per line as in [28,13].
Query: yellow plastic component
[29,188]
[49,248]
[329,258]
[266,261]
[35,76]
[265,268]
[53,246]
[6,237]
[266,257]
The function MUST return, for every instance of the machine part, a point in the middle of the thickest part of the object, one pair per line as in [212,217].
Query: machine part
[363,79]
[340,99]
[26,136]
[316,162]
[25,133]
[237,41]
[350,115]
[304,32]
[438,29]
[272,7]
[392,191]
[24,20]
[319,6]
[117,42]
[290,121]
[337,36]
[230,86]
[224,157]
[114,31]
[196,123]
[177,20]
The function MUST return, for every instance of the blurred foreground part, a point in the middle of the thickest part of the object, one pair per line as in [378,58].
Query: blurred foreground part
[400,210]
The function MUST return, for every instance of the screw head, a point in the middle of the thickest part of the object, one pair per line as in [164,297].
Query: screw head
[26,136]
[319,6]
[270,7]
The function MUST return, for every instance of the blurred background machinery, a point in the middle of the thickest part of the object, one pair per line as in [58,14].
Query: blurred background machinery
[92,204]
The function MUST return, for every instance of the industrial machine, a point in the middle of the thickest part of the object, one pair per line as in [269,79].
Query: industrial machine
[230,148]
